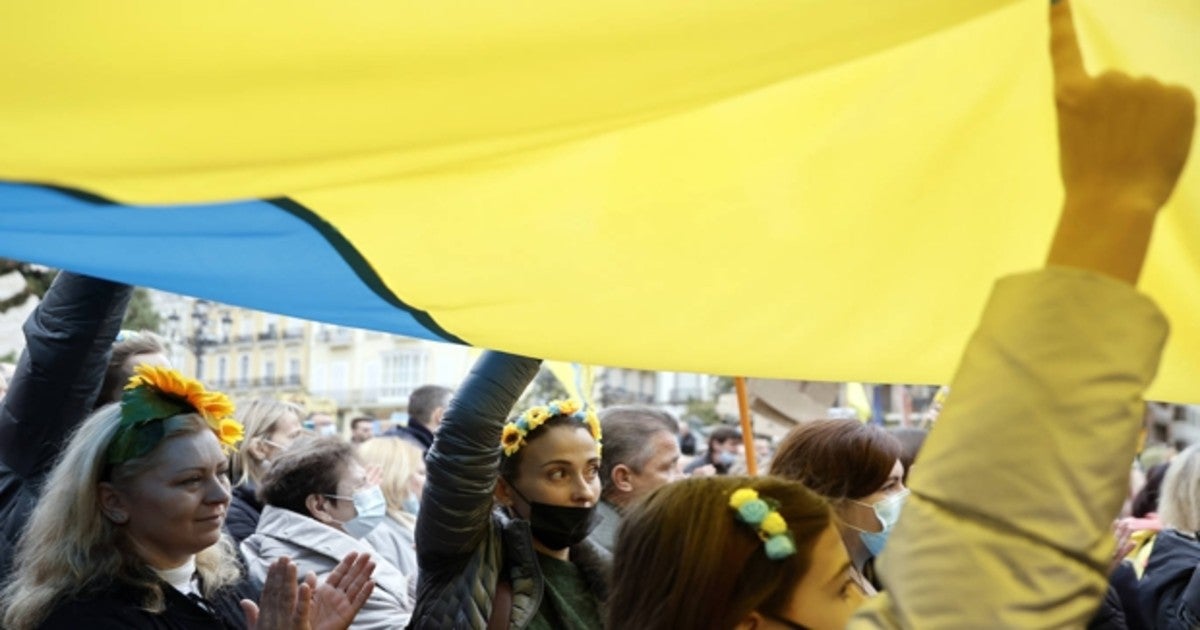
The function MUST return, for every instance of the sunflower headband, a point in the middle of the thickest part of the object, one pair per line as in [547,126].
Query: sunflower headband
[513,437]
[155,394]
[763,516]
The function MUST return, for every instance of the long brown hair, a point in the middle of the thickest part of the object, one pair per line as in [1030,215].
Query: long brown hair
[682,560]
[837,459]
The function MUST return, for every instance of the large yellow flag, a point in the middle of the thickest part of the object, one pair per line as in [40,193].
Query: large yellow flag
[779,188]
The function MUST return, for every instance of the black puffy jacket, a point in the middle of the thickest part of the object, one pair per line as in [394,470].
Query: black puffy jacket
[1169,591]
[68,342]
[463,545]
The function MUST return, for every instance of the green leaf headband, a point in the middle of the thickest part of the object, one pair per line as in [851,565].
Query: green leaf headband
[155,394]
[513,437]
[763,516]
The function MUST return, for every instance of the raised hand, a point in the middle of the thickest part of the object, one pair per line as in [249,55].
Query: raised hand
[284,605]
[1123,143]
[345,591]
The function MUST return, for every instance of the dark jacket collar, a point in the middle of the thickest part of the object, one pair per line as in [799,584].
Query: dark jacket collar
[419,433]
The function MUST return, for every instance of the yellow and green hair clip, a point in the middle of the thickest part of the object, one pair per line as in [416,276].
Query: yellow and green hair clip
[762,515]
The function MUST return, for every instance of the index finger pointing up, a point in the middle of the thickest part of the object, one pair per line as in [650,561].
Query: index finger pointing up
[1064,45]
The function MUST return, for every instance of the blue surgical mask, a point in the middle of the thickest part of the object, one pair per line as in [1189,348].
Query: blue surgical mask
[725,458]
[411,504]
[887,512]
[327,430]
[370,509]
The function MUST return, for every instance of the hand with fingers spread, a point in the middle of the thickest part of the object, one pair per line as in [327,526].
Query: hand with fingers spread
[288,605]
[345,591]
[1123,143]
[284,604]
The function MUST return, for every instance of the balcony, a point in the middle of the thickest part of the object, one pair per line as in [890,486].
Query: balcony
[367,396]
[337,336]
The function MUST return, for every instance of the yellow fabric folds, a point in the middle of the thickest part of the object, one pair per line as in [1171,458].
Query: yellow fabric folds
[804,189]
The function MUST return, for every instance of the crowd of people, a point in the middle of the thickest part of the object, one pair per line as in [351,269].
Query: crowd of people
[133,497]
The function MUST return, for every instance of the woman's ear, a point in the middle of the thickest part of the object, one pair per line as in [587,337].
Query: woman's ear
[112,504]
[752,621]
[317,507]
[254,448]
[503,493]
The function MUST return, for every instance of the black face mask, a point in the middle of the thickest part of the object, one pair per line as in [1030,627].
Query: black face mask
[556,526]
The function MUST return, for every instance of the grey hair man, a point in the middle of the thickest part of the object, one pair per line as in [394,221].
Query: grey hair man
[641,454]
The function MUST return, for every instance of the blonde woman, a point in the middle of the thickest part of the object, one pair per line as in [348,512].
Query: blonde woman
[403,478]
[128,532]
[271,427]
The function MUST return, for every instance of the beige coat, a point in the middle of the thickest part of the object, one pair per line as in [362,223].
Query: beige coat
[1008,525]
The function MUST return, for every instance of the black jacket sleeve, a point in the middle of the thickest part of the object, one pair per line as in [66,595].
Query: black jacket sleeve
[463,463]
[68,342]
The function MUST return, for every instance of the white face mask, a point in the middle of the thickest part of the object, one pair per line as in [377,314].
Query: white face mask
[887,512]
[370,509]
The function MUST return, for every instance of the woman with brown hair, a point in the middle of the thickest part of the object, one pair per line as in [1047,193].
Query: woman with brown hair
[507,508]
[320,503]
[696,555]
[857,468]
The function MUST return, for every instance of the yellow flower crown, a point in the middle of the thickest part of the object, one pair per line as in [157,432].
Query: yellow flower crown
[154,394]
[763,516]
[513,437]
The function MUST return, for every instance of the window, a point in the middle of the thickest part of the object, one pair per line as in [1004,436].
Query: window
[339,377]
[403,371]
[372,375]
[222,370]
[244,369]
[293,328]
[269,371]
[294,371]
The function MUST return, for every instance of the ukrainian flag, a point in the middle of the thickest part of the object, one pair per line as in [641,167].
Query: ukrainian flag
[777,188]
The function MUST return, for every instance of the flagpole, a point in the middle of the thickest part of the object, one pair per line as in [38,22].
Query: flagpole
[747,431]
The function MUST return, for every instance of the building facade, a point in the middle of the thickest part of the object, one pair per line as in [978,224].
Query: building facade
[325,368]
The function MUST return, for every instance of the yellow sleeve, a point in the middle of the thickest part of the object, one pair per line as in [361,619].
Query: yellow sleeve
[1008,524]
